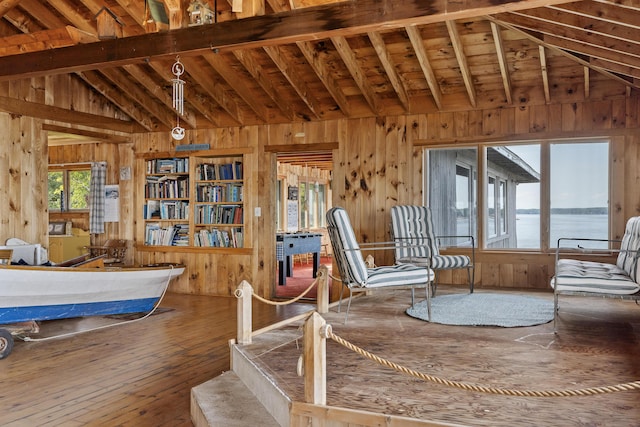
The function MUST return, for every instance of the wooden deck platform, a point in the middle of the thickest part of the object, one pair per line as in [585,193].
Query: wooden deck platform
[141,374]
[598,344]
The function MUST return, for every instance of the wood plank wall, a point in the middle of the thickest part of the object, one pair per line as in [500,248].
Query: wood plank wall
[378,163]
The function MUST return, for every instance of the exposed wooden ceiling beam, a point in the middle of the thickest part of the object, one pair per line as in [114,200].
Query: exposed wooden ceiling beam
[389,67]
[357,73]
[115,95]
[458,48]
[502,61]
[285,66]
[191,97]
[604,12]
[587,83]
[63,135]
[421,54]
[214,89]
[159,92]
[238,84]
[7,5]
[545,74]
[560,17]
[566,54]
[324,74]
[618,45]
[332,20]
[247,59]
[121,80]
[49,39]
[43,14]
[48,112]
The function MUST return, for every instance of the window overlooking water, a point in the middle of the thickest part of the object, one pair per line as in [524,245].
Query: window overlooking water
[514,202]
[579,184]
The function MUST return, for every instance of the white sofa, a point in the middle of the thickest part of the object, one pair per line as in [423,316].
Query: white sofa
[589,278]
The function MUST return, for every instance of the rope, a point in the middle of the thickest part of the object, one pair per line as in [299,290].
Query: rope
[164,291]
[635,385]
[238,294]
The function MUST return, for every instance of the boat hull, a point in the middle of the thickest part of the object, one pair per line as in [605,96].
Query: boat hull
[48,293]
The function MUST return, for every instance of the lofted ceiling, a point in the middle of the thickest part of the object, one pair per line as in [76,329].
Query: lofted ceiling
[284,61]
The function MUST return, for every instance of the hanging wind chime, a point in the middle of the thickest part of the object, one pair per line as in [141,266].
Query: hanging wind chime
[178,98]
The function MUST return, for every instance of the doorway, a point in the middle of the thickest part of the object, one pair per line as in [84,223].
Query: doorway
[303,196]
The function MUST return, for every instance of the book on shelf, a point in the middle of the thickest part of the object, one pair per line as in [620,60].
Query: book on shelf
[152,209]
[172,235]
[174,165]
[219,171]
[217,238]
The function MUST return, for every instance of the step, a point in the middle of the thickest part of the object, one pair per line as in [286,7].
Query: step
[225,401]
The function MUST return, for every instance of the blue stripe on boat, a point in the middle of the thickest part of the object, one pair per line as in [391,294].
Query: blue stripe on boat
[64,311]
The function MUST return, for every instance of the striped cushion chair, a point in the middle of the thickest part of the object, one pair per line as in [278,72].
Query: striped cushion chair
[356,276]
[591,278]
[417,244]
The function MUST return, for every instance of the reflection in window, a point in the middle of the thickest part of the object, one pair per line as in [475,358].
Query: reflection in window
[510,169]
[451,193]
[491,207]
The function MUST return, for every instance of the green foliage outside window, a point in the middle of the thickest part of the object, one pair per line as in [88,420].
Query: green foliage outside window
[69,189]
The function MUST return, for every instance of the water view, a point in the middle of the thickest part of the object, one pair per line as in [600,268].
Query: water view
[583,226]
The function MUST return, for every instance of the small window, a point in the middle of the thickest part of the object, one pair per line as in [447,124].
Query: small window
[69,189]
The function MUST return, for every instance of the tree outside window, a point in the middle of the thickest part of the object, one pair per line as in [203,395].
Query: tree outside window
[68,189]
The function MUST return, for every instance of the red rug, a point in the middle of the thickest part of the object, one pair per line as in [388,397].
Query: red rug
[301,279]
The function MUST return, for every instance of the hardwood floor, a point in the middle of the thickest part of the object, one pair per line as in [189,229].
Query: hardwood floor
[139,374]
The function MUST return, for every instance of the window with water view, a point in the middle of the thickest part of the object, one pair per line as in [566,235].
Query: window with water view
[577,204]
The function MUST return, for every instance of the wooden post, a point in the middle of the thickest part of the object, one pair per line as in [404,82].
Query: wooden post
[323,290]
[244,293]
[315,360]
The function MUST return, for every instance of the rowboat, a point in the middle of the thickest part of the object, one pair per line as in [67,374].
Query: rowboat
[35,293]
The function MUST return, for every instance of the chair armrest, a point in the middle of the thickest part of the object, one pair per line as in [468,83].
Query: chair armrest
[566,250]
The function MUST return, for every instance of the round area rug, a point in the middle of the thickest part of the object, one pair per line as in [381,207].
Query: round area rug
[485,309]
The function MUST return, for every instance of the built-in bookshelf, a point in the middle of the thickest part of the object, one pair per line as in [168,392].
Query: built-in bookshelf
[219,206]
[194,200]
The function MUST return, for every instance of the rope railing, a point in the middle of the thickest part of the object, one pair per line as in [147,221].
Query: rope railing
[589,391]
[244,293]
[320,275]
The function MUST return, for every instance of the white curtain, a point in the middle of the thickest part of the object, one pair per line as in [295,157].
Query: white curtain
[97,197]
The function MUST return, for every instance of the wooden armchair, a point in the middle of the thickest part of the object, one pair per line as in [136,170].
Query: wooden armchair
[114,251]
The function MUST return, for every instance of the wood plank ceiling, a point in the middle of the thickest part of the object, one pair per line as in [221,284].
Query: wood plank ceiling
[280,61]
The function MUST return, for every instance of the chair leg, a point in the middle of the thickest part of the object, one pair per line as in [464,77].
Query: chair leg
[346,315]
[428,288]
[555,313]
[340,300]
[434,284]
[471,272]
[413,297]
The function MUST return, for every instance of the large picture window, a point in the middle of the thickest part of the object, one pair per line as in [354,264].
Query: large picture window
[520,196]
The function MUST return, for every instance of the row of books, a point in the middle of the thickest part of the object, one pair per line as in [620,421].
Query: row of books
[219,193]
[166,209]
[166,187]
[173,235]
[219,171]
[218,214]
[175,165]
[233,238]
